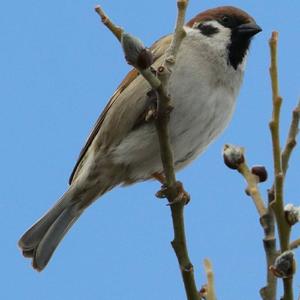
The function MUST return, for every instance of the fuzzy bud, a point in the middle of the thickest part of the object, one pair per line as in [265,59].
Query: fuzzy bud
[233,156]
[292,214]
[284,265]
[136,53]
[203,292]
[145,59]
[247,192]
[260,172]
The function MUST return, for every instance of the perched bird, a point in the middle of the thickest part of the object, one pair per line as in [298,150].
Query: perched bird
[123,147]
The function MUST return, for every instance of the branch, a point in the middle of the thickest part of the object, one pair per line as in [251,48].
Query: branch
[174,191]
[295,244]
[116,30]
[290,142]
[178,36]
[277,204]
[211,294]
[268,223]
[234,158]
[253,189]
[291,139]
[177,207]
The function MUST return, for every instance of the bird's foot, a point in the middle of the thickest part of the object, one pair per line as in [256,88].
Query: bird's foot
[163,192]
[182,195]
[151,114]
[151,109]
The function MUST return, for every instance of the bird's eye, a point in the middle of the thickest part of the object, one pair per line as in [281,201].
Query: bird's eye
[228,21]
[225,19]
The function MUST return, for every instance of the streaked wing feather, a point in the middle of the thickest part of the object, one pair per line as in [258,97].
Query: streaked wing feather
[127,80]
[158,50]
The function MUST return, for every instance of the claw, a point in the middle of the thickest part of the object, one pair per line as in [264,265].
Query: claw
[182,195]
[186,198]
[151,114]
[162,193]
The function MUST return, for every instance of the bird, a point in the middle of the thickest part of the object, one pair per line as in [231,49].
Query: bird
[123,146]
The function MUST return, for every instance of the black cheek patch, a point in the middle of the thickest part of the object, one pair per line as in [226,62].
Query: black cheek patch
[208,30]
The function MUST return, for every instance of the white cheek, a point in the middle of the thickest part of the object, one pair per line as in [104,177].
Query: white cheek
[224,34]
[219,40]
[215,45]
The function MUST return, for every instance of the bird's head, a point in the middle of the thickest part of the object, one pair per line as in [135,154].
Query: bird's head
[228,27]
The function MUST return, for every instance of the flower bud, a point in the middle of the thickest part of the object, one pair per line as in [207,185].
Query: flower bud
[135,52]
[292,214]
[260,172]
[284,265]
[203,292]
[247,192]
[145,59]
[233,156]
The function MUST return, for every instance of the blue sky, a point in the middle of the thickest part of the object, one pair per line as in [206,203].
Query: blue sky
[59,67]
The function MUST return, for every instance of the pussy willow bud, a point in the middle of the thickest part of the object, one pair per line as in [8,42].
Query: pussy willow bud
[247,192]
[136,53]
[260,172]
[203,291]
[145,59]
[292,214]
[233,156]
[284,265]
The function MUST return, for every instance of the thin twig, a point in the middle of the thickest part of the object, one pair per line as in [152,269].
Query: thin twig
[211,294]
[179,241]
[159,84]
[291,139]
[277,205]
[252,188]
[116,30]
[179,34]
[295,244]
[269,292]
[290,142]
[268,223]
[234,158]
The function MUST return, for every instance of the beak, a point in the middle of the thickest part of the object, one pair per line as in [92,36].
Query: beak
[249,29]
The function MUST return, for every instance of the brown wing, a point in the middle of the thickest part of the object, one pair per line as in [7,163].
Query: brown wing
[158,50]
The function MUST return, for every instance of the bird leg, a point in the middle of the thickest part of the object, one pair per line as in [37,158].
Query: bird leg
[159,177]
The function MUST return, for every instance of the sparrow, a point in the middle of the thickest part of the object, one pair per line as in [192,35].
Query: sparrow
[123,146]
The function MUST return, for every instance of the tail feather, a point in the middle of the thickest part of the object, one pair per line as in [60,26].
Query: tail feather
[40,241]
[32,236]
[53,236]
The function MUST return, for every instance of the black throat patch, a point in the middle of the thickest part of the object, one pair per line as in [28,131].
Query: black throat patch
[237,49]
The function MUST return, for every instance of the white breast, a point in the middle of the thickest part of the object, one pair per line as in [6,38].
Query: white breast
[204,89]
